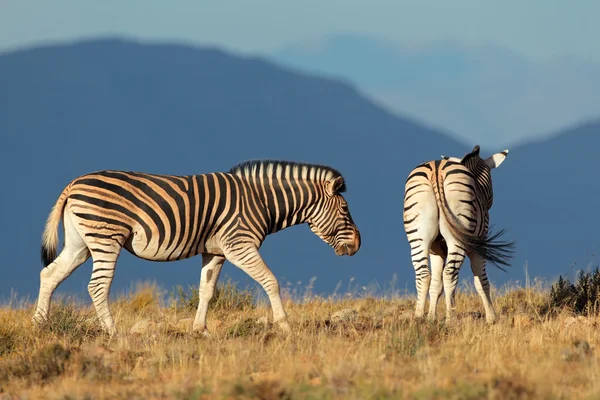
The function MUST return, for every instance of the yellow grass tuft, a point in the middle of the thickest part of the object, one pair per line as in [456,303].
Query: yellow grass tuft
[344,347]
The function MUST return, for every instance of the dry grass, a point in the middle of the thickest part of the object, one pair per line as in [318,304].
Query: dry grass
[381,352]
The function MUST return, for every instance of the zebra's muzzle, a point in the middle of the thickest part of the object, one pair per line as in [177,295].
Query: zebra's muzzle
[351,247]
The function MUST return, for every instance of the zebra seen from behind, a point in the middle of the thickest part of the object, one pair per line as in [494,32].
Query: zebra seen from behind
[446,217]
[165,218]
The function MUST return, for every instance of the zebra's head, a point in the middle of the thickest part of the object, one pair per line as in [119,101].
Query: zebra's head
[331,219]
[481,169]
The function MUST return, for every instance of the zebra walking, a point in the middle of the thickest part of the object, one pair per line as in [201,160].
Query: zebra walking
[165,218]
[446,217]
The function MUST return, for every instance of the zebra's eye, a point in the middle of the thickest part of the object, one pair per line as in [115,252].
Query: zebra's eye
[344,207]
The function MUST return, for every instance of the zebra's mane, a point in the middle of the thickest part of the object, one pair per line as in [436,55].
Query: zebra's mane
[279,168]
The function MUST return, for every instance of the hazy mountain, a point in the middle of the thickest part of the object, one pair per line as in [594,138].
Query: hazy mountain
[548,198]
[75,108]
[486,94]
[114,104]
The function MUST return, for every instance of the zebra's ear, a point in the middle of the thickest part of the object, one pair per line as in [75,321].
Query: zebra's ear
[335,185]
[497,159]
[474,154]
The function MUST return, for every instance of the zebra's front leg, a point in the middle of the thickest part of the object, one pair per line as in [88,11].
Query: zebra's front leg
[436,287]
[211,268]
[248,259]
[482,285]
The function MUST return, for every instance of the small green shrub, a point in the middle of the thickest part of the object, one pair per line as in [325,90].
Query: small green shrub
[228,296]
[145,296]
[408,339]
[73,323]
[248,327]
[41,366]
[8,340]
[581,298]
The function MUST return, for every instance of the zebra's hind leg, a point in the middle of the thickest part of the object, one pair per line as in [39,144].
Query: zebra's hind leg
[420,240]
[103,273]
[436,287]
[482,285]
[105,250]
[421,226]
[74,253]
[248,259]
[454,260]
[211,268]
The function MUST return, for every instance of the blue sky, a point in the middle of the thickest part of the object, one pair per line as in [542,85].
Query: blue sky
[536,28]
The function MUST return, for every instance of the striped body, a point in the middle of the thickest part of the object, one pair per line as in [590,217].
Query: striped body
[446,218]
[166,218]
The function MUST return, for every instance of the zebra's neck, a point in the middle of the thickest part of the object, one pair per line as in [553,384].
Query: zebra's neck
[483,179]
[288,193]
[287,203]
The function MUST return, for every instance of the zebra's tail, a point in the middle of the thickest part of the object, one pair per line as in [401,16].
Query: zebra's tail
[487,247]
[50,235]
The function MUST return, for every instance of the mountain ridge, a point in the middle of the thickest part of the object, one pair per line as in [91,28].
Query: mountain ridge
[99,105]
[180,110]
[477,91]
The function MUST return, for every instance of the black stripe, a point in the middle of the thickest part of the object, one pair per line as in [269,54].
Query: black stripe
[203,198]
[234,196]
[176,180]
[410,220]
[117,207]
[95,182]
[270,205]
[164,205]
[409,207]
[103,236]
[192,223]
[99,218]
[220,202]
[414,187]
[460,171]
[98,250]
[251,211]
[449,164]
[415,174]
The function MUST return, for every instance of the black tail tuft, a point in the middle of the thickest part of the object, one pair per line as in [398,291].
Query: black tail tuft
[495,251]
[48,255]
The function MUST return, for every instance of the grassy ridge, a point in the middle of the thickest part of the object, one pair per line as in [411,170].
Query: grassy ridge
[344,347]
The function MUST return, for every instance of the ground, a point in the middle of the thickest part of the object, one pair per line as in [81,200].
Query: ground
[347,347]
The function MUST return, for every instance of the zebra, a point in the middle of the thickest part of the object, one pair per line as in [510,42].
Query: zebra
[446,217]
[221,215]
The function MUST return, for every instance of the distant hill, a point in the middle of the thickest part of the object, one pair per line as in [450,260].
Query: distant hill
[114,104]
[549,199]
[74,108]
[483,93]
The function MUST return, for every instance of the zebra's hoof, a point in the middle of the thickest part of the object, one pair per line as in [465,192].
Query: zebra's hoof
[111,333]
[451,320]
[38,320]
[284,327]
[201,332]
[204,333]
